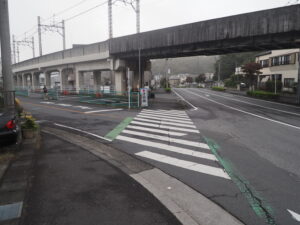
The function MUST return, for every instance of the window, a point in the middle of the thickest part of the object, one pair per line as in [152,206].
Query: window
[264,63]
[281,60]
[289,82]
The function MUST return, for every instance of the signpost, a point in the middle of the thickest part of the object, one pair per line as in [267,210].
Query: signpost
[144,97]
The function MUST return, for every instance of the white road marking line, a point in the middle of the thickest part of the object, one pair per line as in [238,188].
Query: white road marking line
[156,130]
[184,164]
[169,148]
[103,110]
[249,103]
[169,139]
[82,131]
[186,118]
[166,127]
[66,105]
[81,107]
[296,216]
[165,119]
[252,114]
[165,115]
[194,107]
[48,103]
[163,122]
[165,112]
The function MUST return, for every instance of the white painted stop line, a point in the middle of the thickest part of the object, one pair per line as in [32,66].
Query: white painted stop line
[103,110]
[184,164]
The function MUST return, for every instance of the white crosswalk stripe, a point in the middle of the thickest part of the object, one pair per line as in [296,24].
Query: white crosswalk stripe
[172,133]
[184,164]
[165,119]
[169,139]
[166,147]
[156,130]
[164,122]
[184,118]
[165,127]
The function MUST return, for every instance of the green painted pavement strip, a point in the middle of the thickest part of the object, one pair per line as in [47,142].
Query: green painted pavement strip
[257,203]
[115,132]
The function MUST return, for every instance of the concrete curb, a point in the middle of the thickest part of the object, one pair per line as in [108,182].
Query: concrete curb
[189,206]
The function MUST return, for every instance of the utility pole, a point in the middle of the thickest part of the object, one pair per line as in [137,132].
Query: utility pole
[40,35]
[33,48]
[110,25]
[8,84]
[138,13]
[63,34]
[55,27]
[14,48]
[219,73]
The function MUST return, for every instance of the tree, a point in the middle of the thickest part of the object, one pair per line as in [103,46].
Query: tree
[229,62]
[201,78]
[189,80]
[252,70]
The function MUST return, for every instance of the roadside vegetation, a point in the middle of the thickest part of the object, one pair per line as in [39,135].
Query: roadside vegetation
[218,88]
[263,95]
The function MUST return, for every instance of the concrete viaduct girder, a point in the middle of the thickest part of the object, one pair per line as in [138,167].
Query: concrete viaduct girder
[271,29]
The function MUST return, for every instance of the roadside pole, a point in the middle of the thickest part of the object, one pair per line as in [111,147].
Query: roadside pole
[275,84]
[8,84]
[298,86]
[128,87]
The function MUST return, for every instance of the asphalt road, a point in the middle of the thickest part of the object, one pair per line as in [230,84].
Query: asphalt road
[257,143]
[261,141]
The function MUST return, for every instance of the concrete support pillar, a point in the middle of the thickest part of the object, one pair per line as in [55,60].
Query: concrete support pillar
[79,80]
[23,80]
[48,79]
[15,79]
[97,80]
[120,81]
[64,79]
[35,80]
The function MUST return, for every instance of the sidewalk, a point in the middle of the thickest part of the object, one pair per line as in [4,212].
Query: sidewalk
[72,186]
[166,101]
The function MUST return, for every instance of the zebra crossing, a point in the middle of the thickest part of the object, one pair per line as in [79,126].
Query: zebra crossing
[170,137]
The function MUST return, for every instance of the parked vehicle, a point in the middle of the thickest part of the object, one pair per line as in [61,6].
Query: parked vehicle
[10,129]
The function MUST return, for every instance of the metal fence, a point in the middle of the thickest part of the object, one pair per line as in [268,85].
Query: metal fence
[115,99]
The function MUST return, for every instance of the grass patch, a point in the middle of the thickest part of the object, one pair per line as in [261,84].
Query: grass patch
[263,95]
[218,88]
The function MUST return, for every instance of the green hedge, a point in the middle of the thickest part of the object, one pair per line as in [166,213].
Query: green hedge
[263,94]
[218,88]
[168,90]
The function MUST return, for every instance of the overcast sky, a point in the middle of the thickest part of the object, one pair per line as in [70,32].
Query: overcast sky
[93,26]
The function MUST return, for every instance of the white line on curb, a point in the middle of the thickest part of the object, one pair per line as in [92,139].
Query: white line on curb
[82,131]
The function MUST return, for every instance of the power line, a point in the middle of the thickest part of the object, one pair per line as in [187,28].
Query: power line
[86,11]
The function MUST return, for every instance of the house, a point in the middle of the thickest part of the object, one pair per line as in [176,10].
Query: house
[282,65]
